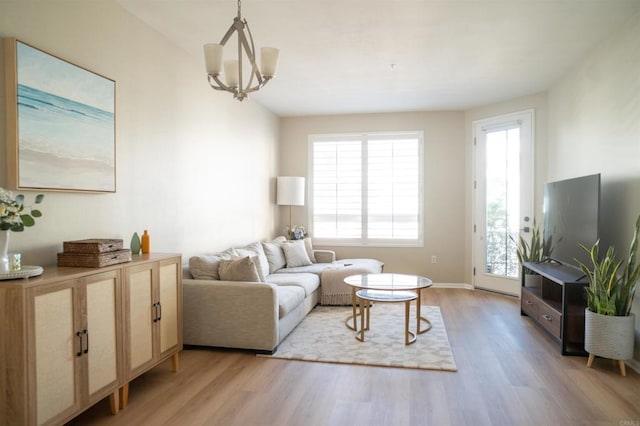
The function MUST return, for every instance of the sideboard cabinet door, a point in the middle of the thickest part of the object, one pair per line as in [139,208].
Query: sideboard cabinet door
[153,314]
[54,314]
[103,340]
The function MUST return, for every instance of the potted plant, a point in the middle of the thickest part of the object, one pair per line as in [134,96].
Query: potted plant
[609,323]
[534,252]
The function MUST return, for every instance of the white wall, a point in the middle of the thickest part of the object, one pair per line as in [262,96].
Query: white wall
[194,167]
[594,127]
[444,175]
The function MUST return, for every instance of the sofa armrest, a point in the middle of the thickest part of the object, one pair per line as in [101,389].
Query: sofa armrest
[230,314]
[324,256]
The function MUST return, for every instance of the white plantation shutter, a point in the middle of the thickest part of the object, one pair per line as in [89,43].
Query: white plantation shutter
[367,188]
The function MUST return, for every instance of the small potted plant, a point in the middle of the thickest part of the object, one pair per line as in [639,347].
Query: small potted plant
[534,252]
[296,232]
[609,323]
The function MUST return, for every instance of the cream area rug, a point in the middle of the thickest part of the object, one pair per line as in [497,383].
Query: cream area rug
[323,337]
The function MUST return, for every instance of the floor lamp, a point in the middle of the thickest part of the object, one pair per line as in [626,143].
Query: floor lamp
[290,192]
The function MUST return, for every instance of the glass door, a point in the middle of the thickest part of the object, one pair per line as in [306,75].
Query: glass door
[503,199]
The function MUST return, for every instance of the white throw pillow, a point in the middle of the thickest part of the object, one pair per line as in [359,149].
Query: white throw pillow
[296,254]
[243,269]
[275,255]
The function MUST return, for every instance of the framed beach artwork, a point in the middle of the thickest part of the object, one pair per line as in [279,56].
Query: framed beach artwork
[60,123]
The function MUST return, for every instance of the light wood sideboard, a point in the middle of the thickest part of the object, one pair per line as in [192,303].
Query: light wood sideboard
[73,336]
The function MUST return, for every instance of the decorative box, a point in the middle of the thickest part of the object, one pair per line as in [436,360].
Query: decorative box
[94,260]
[92,245]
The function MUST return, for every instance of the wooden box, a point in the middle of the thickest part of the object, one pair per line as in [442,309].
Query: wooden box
[93,245]
[94,260]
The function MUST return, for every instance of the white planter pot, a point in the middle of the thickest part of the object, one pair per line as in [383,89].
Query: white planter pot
[532,280]
[609,336]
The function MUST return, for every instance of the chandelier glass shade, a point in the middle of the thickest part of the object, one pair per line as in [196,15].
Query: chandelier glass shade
[234,80]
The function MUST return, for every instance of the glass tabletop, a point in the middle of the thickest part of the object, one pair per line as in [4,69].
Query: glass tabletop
[388,281]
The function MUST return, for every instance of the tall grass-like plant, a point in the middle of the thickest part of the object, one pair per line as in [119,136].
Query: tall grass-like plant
[630,276]
[534,252]
[610,292]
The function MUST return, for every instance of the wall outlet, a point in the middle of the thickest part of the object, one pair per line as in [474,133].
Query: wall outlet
[434,259]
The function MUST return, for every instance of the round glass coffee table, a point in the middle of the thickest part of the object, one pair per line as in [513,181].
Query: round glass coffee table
[385,285]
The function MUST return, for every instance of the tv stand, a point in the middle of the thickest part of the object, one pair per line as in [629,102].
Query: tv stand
[556,302]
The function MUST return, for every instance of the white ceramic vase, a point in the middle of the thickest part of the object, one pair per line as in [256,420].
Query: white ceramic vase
[609,336]
[4,251]
[533,280]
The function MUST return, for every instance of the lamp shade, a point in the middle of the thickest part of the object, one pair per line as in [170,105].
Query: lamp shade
[290,191]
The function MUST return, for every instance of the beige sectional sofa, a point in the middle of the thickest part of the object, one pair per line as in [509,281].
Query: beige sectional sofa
[252,297]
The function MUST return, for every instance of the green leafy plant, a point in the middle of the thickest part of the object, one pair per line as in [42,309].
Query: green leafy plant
[535,251]
[611,292]
[13,214]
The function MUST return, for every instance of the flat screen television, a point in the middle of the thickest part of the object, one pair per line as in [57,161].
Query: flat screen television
[571,216]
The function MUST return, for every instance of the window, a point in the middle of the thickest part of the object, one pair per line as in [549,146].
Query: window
[366,189]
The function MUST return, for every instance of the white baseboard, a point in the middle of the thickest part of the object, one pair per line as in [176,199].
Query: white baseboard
[453,285]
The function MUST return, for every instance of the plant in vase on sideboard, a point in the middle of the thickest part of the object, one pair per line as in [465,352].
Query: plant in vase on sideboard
[609,322]
[14,217]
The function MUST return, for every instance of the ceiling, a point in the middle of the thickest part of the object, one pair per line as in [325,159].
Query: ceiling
[335,55]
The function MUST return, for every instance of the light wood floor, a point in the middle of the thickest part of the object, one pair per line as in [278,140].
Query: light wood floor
[509,373]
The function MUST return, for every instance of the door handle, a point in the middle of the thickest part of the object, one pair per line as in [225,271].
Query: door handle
[79,336]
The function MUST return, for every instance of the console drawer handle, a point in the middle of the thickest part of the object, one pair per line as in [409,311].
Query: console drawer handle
[528,302]
[547,317]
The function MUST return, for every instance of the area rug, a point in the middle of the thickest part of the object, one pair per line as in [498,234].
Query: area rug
[323,337]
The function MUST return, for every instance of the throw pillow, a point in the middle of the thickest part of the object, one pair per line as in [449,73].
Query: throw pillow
[206,267]
[243,269]
[296,254]
[255,249]
[275,255]
[309,247]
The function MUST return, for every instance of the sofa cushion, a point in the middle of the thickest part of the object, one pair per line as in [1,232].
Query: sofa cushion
[310,282]
[206,267]
[243,269]
[296,253]
[275,255]
[315,268]
[255,248]
[289,298]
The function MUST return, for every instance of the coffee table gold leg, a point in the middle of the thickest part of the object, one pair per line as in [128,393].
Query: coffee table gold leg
[418,303]
[420,318]
[407,306]
[363,313]
[353,302]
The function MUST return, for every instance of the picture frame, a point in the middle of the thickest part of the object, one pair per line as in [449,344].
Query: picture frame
[60,123]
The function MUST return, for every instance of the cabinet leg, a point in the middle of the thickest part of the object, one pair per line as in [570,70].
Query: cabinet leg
[114,403]
[124,396]
[623,369]
[590,361]
[175,362]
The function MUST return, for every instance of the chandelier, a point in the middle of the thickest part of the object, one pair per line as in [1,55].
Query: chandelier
[233,75]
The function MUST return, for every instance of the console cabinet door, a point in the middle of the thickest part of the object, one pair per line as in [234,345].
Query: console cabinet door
[139,313]
[103,339]
[54,348]
[170,294]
